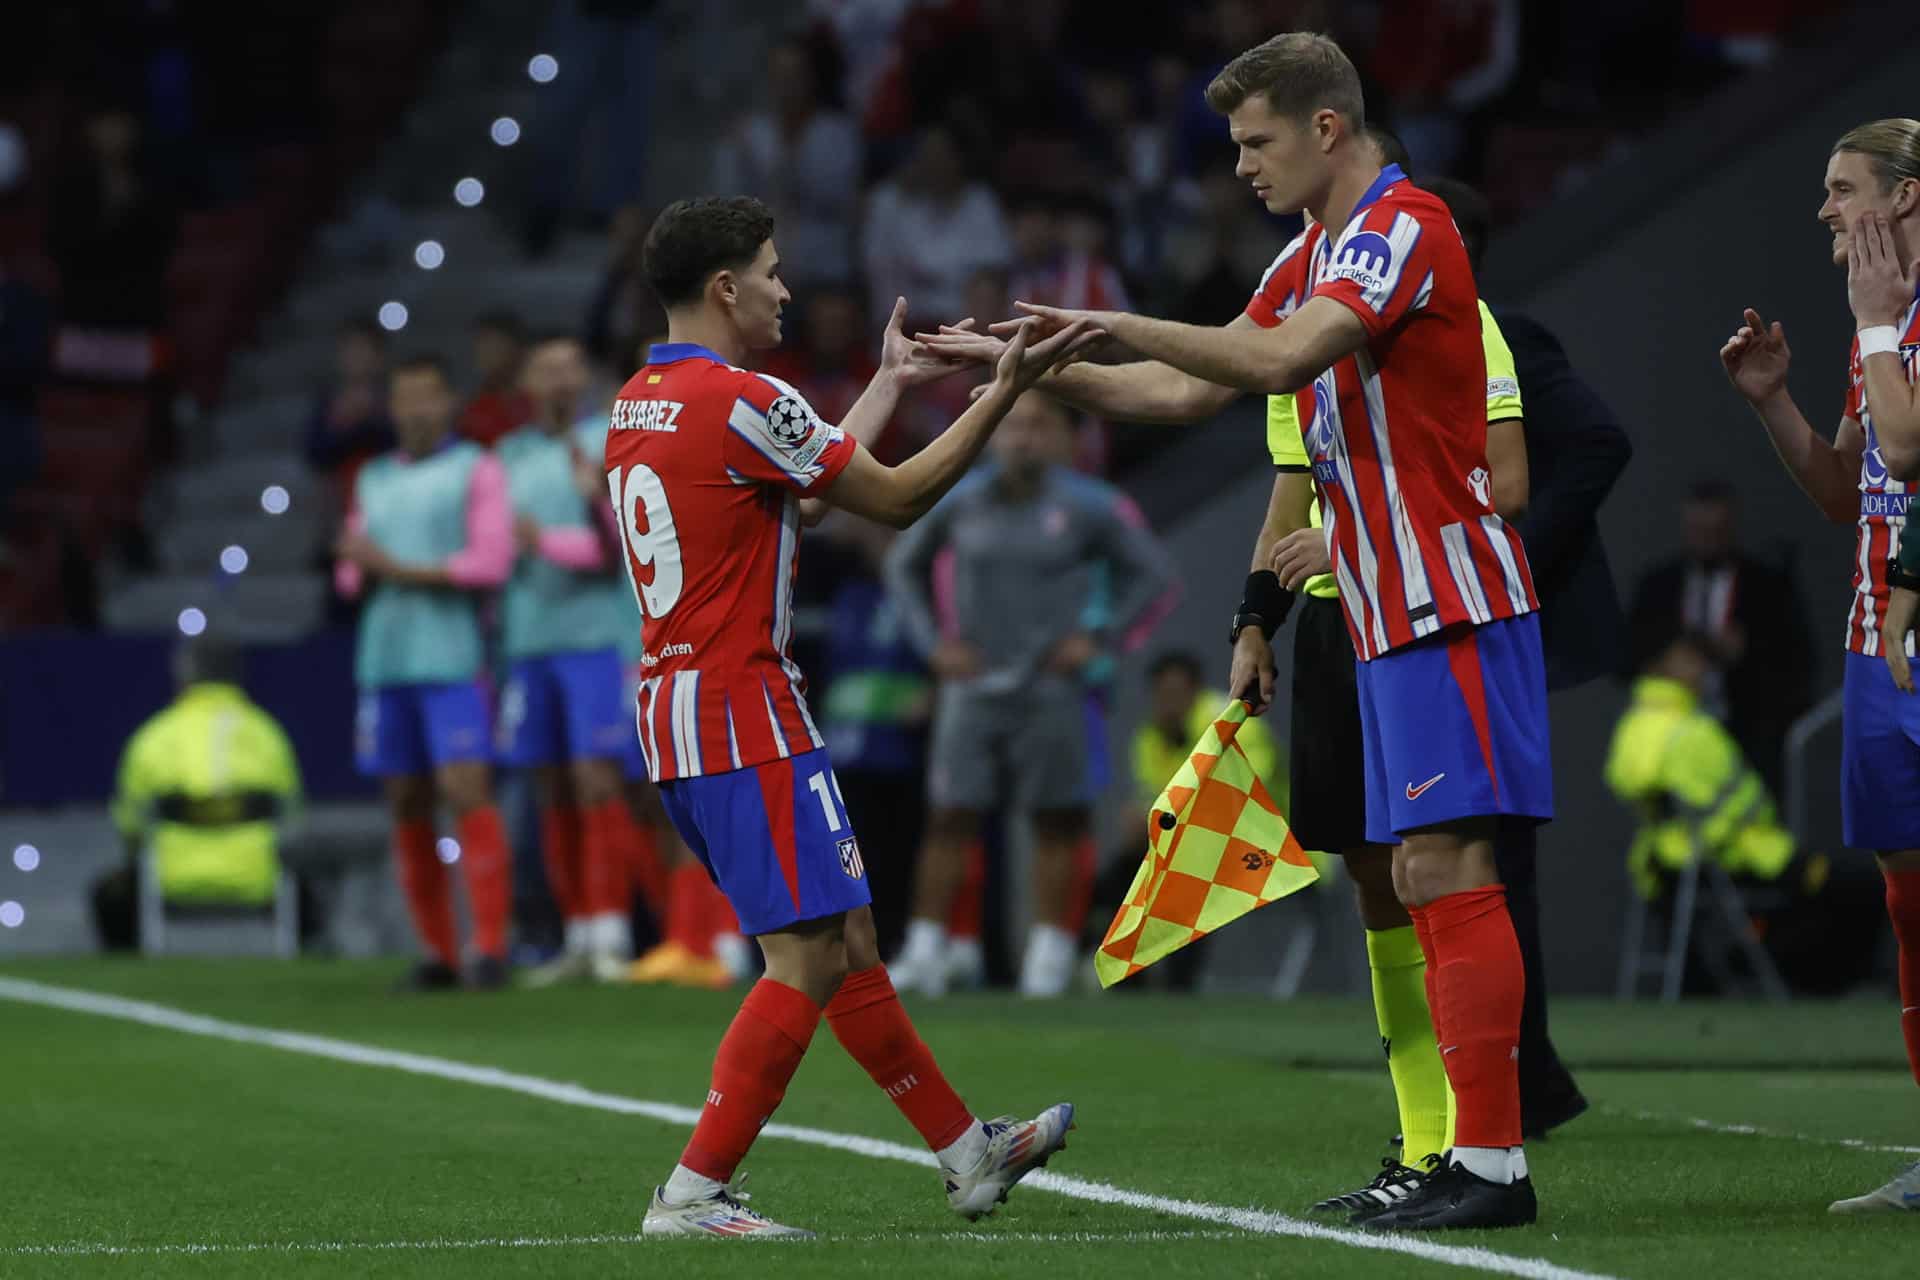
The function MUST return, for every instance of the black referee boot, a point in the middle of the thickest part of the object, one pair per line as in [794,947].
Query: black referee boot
[1454,1199]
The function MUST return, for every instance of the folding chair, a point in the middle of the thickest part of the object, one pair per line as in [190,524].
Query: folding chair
[216,928]
[1725,906]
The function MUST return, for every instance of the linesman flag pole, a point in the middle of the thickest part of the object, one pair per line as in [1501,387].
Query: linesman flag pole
[1217,848]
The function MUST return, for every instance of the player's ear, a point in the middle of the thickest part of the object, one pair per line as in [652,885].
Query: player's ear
[1906,197]
[724,288]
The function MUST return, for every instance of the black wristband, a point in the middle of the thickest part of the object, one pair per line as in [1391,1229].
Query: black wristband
[1264,598]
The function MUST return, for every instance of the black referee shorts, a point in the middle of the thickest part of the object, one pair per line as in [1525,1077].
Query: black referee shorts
[1327,759]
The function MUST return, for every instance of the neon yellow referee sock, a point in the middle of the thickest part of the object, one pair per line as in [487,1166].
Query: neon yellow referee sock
[1406,1033]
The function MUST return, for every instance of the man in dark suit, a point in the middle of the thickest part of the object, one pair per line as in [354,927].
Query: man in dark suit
[1575,452]
[1750,610]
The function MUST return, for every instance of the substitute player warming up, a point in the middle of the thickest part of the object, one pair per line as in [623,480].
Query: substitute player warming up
[707,464]
[1865,477]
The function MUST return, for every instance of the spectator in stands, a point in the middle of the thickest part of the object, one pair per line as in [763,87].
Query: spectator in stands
[1438,61]
[802,158]
[1011,729]
[498,405]
[205,787]
[624,309]
[112,232]
[24,336]
[832,363]
[605,55]
[349,423]
[1750,611]
[929,229]
[1211,254]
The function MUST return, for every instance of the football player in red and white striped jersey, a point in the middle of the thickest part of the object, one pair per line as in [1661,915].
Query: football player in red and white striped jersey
[1866,477]
[1371,320]
[708,465]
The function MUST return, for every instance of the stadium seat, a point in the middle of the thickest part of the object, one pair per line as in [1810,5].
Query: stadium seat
[251,608]
[192,542]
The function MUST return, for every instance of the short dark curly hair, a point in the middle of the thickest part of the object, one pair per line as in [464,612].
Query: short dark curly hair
[692,239]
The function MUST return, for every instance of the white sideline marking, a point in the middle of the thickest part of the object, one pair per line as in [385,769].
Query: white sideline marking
[1261,1221]
[82,1249]
[1759,1131]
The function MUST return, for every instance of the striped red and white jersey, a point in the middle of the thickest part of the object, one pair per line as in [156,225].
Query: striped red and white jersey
[706,464]
[1397,432]
[1883,502]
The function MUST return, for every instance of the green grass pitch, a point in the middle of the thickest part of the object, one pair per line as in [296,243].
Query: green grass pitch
[138,1150]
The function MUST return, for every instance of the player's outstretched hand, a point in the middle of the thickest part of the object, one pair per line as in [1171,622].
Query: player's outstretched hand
[1902,604]
[1756,358]
[1024,361]
[1877,289]
[963,342]
[911,361]
[1051,320]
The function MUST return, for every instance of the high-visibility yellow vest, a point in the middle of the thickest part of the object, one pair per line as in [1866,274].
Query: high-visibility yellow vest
[202,783]
[1693,789]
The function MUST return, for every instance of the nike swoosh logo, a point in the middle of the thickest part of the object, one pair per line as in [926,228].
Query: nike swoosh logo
[1414,793]
[1912,1008]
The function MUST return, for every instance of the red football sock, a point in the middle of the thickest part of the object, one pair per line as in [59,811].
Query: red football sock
[688,908]
[963,917]
[1481,986]
[1423,934]
[1903,905]
[423,878]
[757,1057]
[1080,887]
[560,850]
[872,1026]
[489,872]
[645,870]
[603,878]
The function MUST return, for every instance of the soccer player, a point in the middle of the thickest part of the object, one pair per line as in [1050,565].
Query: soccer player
[1028,536]
[560,710]
[1865,477]
[708,465]
[1372,318]
[431,528]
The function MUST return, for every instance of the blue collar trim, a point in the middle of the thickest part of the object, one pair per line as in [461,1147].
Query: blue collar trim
[1388,176]
[668,352]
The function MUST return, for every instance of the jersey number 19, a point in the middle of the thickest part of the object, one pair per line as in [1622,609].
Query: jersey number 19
[656,544]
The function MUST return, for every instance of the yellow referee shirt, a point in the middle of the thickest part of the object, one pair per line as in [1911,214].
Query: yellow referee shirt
[1289,450]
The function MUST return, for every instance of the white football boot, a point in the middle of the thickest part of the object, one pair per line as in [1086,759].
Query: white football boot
[1015,1148]
[723,1215]
[1902,1195]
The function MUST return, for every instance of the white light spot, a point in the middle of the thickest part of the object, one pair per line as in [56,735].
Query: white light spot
[12,914]
[392,316]
[469,192]
[429,254]
[274,500]
[542,68]
[234,559]
[505,131]
[192,621]
[26,857]
[449,850]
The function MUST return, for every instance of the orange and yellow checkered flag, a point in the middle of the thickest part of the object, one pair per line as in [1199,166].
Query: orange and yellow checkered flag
[1217,847]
